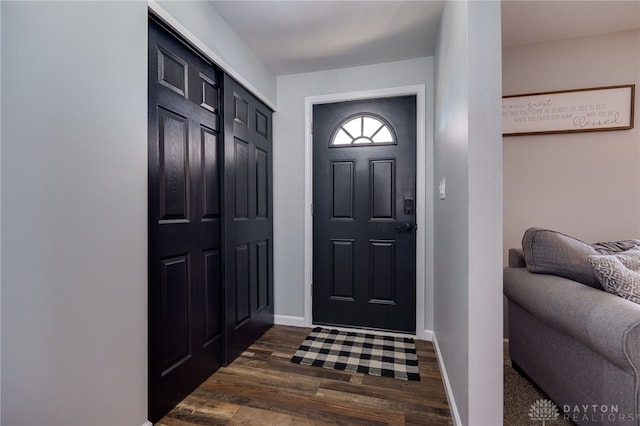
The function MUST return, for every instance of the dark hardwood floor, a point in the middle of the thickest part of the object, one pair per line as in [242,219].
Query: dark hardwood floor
[263,387]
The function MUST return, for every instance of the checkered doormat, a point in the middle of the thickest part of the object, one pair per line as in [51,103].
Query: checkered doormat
[359,352]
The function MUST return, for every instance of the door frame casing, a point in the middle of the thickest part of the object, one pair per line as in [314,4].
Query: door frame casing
[423,215]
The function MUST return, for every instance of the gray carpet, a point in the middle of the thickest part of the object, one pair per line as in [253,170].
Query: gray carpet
[519,395]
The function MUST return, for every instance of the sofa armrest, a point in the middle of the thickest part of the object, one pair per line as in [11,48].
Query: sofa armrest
[604,322]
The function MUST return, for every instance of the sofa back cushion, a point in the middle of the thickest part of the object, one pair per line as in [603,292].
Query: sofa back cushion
[614,247]
[554,253]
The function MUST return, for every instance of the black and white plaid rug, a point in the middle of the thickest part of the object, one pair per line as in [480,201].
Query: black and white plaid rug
[359,352]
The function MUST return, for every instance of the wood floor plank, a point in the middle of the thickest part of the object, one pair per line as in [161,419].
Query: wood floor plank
[237,395]
[171,420]
[426,387]
[307,403]
[193,410]
[263,387]
[434,400]
[412,412]
[256,416]
[287,367]
[271,380]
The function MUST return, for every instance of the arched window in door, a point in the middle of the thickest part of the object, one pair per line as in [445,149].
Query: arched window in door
[363,129]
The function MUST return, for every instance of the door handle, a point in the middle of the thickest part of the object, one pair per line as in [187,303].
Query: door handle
[406,227]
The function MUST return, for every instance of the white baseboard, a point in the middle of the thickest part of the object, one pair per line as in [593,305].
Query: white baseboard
[447,385]
[428,335]
[147,423]
[288,320]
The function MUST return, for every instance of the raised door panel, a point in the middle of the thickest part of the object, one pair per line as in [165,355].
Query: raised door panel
[172,71]
[382,181]
[210,175]
[342,189]
[262,184]
[209,94]
[212,299]
[342,270]
[174,166]
[262,124]
[262,274]
[241,179]
[241,285]
[240,109]
[382,258]
[176,312]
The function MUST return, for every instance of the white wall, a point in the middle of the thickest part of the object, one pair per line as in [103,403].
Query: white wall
[584,184]
[74,213]
[485,214]
[74,203]
[205,23]
[289,164]
[451,227]
[468,222]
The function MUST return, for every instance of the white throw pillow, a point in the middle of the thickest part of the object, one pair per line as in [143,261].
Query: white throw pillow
[619,274]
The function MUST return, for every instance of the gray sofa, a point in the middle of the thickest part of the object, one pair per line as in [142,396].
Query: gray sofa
[578,343]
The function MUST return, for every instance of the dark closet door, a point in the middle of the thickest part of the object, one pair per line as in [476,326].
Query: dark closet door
[185,267]
[248,218]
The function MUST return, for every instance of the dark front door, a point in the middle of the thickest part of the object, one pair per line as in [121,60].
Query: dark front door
[248,219]
[364,188]
[185,266]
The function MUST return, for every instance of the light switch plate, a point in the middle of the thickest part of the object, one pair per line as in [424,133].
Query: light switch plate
[442,189]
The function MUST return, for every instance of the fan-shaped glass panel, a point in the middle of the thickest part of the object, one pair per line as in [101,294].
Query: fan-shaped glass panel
[363,129]
[354,127]
[370,126]
[383,136]
[362,140]
[342,138]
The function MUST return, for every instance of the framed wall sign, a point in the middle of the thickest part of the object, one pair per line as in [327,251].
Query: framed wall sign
[569,111]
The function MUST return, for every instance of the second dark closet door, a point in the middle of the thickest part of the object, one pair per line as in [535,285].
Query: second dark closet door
[248,218]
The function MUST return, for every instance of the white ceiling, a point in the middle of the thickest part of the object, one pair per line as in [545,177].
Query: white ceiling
[303,36]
